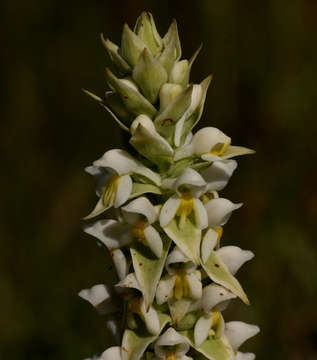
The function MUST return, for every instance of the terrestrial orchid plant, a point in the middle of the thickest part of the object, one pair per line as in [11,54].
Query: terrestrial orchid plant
[167,216]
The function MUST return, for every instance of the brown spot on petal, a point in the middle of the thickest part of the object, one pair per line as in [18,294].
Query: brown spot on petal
[168,120]
[124,349]
[221,294]
[217,265]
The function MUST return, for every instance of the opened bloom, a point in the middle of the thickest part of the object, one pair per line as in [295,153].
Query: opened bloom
[171,346]
[138,216]
[114,182]
[181,281]
[189,186]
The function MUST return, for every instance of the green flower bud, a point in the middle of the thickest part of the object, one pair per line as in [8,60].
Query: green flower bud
[172,49]
[133,100]
[150,75]
[113,50]
[167,93]
[131,46]
[181,70]
[146,30]
[114,102]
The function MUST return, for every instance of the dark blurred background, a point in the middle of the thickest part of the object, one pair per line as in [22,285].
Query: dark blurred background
[264,60]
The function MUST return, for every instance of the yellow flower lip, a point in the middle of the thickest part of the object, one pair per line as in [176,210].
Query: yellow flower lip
[138,230]
[171,355]
[215,317]
[219,148]
[110,191]
[181,287]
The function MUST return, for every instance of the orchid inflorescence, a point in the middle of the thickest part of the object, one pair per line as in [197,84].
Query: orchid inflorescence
[167,217]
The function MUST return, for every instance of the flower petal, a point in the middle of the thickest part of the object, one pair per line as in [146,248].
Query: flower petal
[233,151]
[169,209]
[195,286]
[130,281]
[165,289]
[120,263]
[101,297]
[191,179]
[244,356]
[142,206]
[99,209]
[148,268]
[206,138]
[208,243]
[101,174]
[124,189]
[201,216]
[213,295]
[171,338]
[111,233]
[113,353]
[202,328]
[151,319]
[219,211]
[237,332]
[218,174]
[154,240]
[234,257]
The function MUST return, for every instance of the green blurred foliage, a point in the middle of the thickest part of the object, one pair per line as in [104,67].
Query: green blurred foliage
[263,58]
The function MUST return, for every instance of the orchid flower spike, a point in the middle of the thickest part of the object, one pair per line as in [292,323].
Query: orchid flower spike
[166,212]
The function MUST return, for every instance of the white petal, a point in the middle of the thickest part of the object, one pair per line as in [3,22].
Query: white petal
[218,174]
[188,139]
[111,233]
[101,297]
[168,210]
[238,332]
[130,282]
[234,257]
[195,286]
[201,329]
[99,209]
[101,174]
[191,179]
[170,338]
[154,240]
[213,295]
[177,256]
[113,353]
[219,211]
[120,263]
[119,160]
[123,163]
[244,356]
[151,319]
[206,138]
[208,243]
[201,216]
[210,157]
[142,206]
[124,189]
[164,289]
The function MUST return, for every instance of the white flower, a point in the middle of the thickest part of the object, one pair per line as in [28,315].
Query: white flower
[212,144]
[139,214]
[136,305]
[232,256]
[218,174]
[189,186]
[101,297]
[113,353]
[181,281]
[214,299]
[237,332]
[219,211]
[171,346]
[113,171]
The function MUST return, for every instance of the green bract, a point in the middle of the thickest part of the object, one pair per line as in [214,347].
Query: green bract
[160,214]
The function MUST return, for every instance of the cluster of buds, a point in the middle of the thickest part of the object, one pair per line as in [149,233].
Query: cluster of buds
[166,214]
